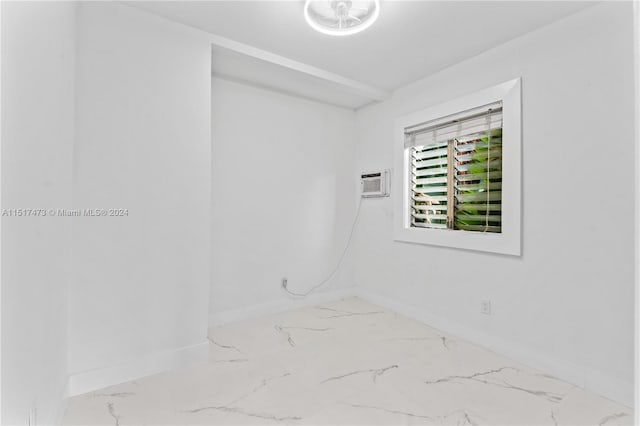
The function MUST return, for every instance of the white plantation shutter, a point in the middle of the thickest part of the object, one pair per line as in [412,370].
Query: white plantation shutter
[429,182]
[456,171]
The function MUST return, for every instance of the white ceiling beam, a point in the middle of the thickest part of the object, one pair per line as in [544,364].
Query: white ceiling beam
[353,86]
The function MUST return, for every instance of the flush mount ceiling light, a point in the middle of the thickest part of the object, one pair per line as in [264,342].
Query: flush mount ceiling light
[341,17]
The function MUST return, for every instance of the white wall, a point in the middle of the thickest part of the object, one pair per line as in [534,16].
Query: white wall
[636,25]
[567,303]
[138,301]
[283,185]
[38,51]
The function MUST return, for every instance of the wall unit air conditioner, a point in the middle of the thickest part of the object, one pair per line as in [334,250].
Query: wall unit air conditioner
[374,184]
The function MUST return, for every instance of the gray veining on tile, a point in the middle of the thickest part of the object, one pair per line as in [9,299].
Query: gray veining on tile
[549,396]
[468,421]
[112,413]
[465,418]
[232,360]
[220,345]
[345,363]
[392,411]
[111,395]
[262,384]
[290,340]
[375,372]
[247,413]
[473,376]
[605,420]
[444,342]
[482,378]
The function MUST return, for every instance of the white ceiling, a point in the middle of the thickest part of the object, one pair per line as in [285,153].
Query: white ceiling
[268,43]
[410,40]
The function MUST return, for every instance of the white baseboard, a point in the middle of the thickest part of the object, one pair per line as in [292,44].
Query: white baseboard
[610,387]
[275,306]
[136,368]
[593,380]
[62,406]
[51,411]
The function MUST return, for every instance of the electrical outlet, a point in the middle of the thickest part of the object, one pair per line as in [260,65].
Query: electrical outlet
[485,307]
[284,283]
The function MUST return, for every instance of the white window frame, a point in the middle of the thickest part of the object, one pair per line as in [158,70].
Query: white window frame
[509,240]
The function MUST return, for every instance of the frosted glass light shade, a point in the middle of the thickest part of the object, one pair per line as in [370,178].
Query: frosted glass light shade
[341,17]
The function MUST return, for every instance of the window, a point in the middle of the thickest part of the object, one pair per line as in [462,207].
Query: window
[460,165]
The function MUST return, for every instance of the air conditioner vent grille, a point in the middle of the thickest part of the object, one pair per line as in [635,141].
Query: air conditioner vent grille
[375,184]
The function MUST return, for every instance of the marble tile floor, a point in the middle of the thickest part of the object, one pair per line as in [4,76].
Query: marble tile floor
[345,363]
